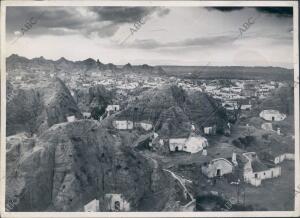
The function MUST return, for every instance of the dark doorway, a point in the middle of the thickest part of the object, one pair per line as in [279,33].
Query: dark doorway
[176,148]
[218,172]
[273,118]
[117,205]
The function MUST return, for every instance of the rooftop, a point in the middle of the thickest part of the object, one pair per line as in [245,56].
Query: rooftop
[258,166]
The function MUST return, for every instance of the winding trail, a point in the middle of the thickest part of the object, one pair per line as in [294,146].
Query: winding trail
[182,182]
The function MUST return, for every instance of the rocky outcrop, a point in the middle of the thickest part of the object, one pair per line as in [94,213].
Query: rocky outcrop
[94,97]
[34,109]
[172,111]
[73,163]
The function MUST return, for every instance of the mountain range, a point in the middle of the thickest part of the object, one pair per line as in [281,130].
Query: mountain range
[90,65]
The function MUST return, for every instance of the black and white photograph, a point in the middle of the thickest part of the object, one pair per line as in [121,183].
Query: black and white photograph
[109,108]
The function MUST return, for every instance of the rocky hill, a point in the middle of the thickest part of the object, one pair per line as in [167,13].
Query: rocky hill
[90,98]
[282,100]
[172,110]
[72,163]
[35,108]
[62,65]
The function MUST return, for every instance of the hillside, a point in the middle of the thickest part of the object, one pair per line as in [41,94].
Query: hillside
[35,108]
[72,163]
[229,72]
[172,110]
[90,98]
[282,100]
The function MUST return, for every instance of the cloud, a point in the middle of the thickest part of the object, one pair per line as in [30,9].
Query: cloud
[278,11]
[122,14]
[191,42]
[225,9]
[100,21]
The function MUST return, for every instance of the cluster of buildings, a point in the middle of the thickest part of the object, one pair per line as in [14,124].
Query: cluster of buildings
[246,165]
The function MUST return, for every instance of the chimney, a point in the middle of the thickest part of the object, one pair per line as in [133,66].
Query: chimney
[233,159]
[278,131]
[204,152]
[193,128]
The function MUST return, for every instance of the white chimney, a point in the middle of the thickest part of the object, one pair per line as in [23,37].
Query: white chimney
[204,152]
[278,131]
[233,159]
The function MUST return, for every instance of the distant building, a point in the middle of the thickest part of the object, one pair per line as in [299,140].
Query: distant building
[210,130]
[71,118]
[123,124]
[192,144]
[217,167]
[246,107]
[230,105]
[18,78]
[113,108]
[86,115]
[144,125]
[195,144]
[92,206]
[116,203]
[176,144]
[272,115]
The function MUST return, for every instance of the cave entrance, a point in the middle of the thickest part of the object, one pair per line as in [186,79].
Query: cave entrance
[117,205]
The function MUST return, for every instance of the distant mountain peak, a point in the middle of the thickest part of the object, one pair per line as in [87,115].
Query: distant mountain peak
[89,60]
[127,66]
[13,56]
[62,59]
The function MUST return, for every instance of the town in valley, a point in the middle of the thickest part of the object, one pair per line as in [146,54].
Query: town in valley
[90,136]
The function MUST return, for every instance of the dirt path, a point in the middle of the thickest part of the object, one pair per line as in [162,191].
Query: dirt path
[182,182]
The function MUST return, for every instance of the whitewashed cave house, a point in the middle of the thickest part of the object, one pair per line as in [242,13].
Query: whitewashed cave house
[123,124]
[116,203]
[255,171]
[192,144]
[272,115]
[217,167]
[110,109]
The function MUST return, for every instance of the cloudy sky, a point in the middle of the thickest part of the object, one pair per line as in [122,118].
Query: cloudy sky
[167,35]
